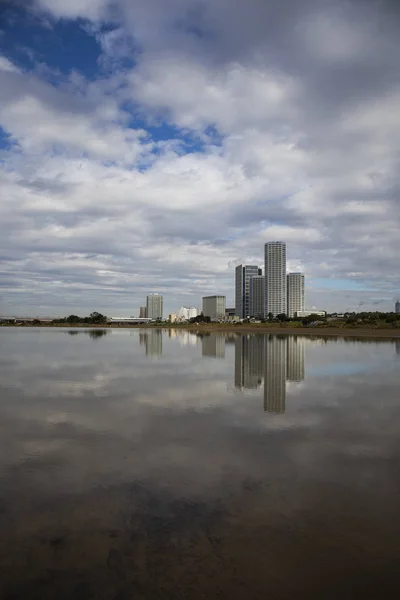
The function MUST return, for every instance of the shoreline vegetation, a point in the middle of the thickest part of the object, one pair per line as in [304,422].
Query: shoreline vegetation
[323,330]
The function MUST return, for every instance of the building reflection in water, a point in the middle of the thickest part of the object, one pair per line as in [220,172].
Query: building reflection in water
[275,373]
[249,361]
[152,340]
[271,359]
[213,345]
[295,358]
[397,347]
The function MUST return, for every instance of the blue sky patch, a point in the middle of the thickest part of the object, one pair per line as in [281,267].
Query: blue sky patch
[64,45]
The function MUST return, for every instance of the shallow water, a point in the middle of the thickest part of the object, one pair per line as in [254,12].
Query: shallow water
[149,465]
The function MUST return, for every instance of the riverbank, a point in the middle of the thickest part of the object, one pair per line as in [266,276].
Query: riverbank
[279,329]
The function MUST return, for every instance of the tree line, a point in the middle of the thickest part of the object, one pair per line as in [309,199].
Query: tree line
[95,318]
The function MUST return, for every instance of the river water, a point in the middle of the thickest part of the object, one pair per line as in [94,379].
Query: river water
[163,465]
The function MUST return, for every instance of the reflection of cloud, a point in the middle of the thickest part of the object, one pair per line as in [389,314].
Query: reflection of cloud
[181,428]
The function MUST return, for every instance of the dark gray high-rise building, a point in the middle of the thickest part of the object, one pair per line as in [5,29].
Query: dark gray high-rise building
[243,276]
[257,296]
[275,278]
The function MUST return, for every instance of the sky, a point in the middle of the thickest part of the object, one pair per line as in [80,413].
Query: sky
[153,146]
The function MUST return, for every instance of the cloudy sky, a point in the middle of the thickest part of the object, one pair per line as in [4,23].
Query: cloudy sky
[151,146]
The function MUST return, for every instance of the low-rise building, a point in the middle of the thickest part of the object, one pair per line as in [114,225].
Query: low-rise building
[186,312]
[306,313]
[214,307]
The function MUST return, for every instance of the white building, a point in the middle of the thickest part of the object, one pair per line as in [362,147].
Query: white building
[397,307]
[275,278]
[186,312]
[306,313]
[243,276]
[214,307]
[295,293]
[154,306]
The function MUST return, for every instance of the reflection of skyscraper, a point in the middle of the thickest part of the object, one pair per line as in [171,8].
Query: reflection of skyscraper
[249,361]
[275,373]
[398,347]
[213,345]
[295,358]
[277,359]
[153,342]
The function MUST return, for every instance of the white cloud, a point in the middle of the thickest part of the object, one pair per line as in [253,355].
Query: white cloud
[272,134]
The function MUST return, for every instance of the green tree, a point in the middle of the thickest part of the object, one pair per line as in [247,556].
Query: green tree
[96,317]
[73,319]
[282,317]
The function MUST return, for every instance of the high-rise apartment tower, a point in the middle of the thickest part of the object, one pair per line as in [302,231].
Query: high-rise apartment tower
[295,293]
[243,276]
[257,296]
[275,278]
[154,306]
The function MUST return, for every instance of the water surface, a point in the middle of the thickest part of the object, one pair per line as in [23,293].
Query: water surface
[162,465]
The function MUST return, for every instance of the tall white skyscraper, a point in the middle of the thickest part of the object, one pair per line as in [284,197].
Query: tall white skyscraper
[154,306]
[275,278]
[295,293]
[243,276]
[397,307]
